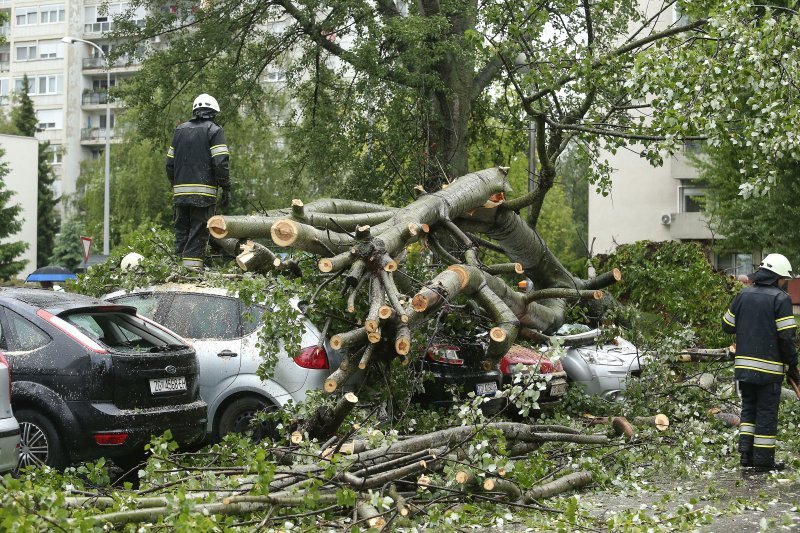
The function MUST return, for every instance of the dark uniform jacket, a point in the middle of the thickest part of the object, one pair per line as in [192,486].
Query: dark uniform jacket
[197,163]
[761,317]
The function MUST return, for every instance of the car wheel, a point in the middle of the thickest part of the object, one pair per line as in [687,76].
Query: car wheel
[40,443]
[238,418]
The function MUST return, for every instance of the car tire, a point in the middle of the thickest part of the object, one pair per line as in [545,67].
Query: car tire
[238,415]
[40,443]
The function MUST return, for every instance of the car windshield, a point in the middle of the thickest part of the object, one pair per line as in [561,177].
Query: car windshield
[124,332]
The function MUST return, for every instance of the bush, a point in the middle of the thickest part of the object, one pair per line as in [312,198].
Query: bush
[674,283]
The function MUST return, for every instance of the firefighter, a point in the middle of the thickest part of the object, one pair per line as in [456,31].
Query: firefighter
[197,168]
[761,317]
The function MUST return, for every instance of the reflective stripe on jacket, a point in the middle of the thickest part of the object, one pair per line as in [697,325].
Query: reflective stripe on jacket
[197,162]
[761,317]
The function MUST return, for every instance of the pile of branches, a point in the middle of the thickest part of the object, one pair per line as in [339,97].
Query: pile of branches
[388,483]
[365,246]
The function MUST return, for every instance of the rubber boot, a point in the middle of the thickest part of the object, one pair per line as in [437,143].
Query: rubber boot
[746,460]
[777,466]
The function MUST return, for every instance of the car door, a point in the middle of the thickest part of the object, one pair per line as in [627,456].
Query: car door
[212,324]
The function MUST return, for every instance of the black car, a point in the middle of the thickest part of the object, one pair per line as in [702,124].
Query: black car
[94,380]
[461,364]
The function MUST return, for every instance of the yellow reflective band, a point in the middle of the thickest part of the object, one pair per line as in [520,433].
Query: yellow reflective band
[725,319]
[218,145]
[766,436]
[754,369]
[194,194]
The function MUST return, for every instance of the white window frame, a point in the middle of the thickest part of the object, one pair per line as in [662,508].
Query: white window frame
[53,119]
[52,14]
[31,84]
[5,90]
[51,50]
[29,46]
[55,154]
[53,84]
[29,16]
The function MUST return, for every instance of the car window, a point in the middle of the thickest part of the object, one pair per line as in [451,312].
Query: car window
[203,316]
[146,304]
[29,336]
[252,318]
[122,331]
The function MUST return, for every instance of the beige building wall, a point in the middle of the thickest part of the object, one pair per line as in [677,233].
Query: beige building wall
[22,157]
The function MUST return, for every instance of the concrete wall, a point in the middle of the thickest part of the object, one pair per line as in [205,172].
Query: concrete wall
[22,157]
[640,195]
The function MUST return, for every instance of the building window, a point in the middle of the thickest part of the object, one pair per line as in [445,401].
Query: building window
[735,263]
[51,84]
[5,85]
[692,199]
[52,14]
[25,51]
[99,18]
[50,119]
[102,84]
[25,16]
[51,50]
[55,154]
[18,87]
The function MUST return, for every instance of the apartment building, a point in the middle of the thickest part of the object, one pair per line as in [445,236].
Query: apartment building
[68,83]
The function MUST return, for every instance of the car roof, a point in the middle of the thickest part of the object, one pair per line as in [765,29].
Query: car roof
[173,287]
[56,302]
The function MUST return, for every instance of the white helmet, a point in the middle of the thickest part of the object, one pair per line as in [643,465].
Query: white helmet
[778,264]
[130,261]
[207,101]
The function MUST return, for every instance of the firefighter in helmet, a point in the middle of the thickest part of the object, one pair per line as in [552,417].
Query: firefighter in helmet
[761,317]
[197,168]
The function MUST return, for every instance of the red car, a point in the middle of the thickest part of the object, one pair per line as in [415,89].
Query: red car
[533,361]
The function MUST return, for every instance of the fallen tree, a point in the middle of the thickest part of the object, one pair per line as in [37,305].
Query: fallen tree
[364,246]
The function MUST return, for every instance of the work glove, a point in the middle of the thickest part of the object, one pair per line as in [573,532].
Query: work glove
[793,374]
[226,198]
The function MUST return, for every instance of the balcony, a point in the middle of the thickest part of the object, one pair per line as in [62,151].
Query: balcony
[95,63]
[95,134]
[98,98]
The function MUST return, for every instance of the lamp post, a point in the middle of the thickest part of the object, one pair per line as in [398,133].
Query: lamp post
[106,192]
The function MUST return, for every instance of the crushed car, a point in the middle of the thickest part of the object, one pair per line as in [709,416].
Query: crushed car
[601,367]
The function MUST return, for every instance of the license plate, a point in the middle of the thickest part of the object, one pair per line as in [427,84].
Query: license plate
[484,389]
[558,388]
[158,386]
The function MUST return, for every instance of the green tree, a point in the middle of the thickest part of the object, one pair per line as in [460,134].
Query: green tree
[24,121]
[386,95]
[67,251]
[10,224]
[760,221]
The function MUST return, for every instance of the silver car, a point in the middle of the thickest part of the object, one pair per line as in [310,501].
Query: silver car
[9,428]
[217,325]
[603,369]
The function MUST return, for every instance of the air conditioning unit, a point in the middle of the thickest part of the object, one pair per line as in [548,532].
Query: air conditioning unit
[666,219]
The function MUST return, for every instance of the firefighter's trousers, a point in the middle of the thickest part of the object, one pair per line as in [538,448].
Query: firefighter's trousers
[191,233]
[759,421]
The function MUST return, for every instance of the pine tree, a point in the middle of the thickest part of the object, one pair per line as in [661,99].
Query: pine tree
[24,119]
[10,223]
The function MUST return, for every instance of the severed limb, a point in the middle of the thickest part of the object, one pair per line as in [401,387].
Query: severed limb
[256,257]
[562,484]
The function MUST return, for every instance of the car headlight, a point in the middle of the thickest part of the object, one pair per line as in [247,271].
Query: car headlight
[597,357]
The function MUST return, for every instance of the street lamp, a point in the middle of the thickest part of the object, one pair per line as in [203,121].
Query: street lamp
[106,194]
